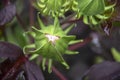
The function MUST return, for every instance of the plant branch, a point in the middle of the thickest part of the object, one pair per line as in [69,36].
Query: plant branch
[58,73]
[31,13]
[21,21]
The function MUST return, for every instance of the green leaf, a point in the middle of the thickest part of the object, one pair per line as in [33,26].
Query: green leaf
[61,45]
[38,50]
[65,64]
[27,47]
[10,36]
[75,41]
[94,7]
[29,33]
[56,25]
[93,20]
[39,21]
[43,63]
[34,56]
[69,38]
[82,4]
[71,52]
[50,65]
[115,54]
[56,55]
[16,36]
[110,6]
[69,28]
[60,58]
[36,31]
[85,19]
[47,50]
[103,17]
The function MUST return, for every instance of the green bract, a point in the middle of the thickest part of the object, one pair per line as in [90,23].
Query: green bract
[70,5]
[55,7]
[51,7]
[93,11]
[51,42]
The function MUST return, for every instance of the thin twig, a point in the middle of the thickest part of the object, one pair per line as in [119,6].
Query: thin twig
[71,21]
[59,74]
[21,21]
[31,13]
[68,21]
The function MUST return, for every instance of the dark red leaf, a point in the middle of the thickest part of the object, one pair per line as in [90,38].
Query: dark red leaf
[104,71]
[7,13]
[8,50]
[33,71]
[4,67]
[11,69]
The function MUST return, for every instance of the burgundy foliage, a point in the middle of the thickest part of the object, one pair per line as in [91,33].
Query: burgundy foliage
[104,71]
[7,13]
[15,65]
